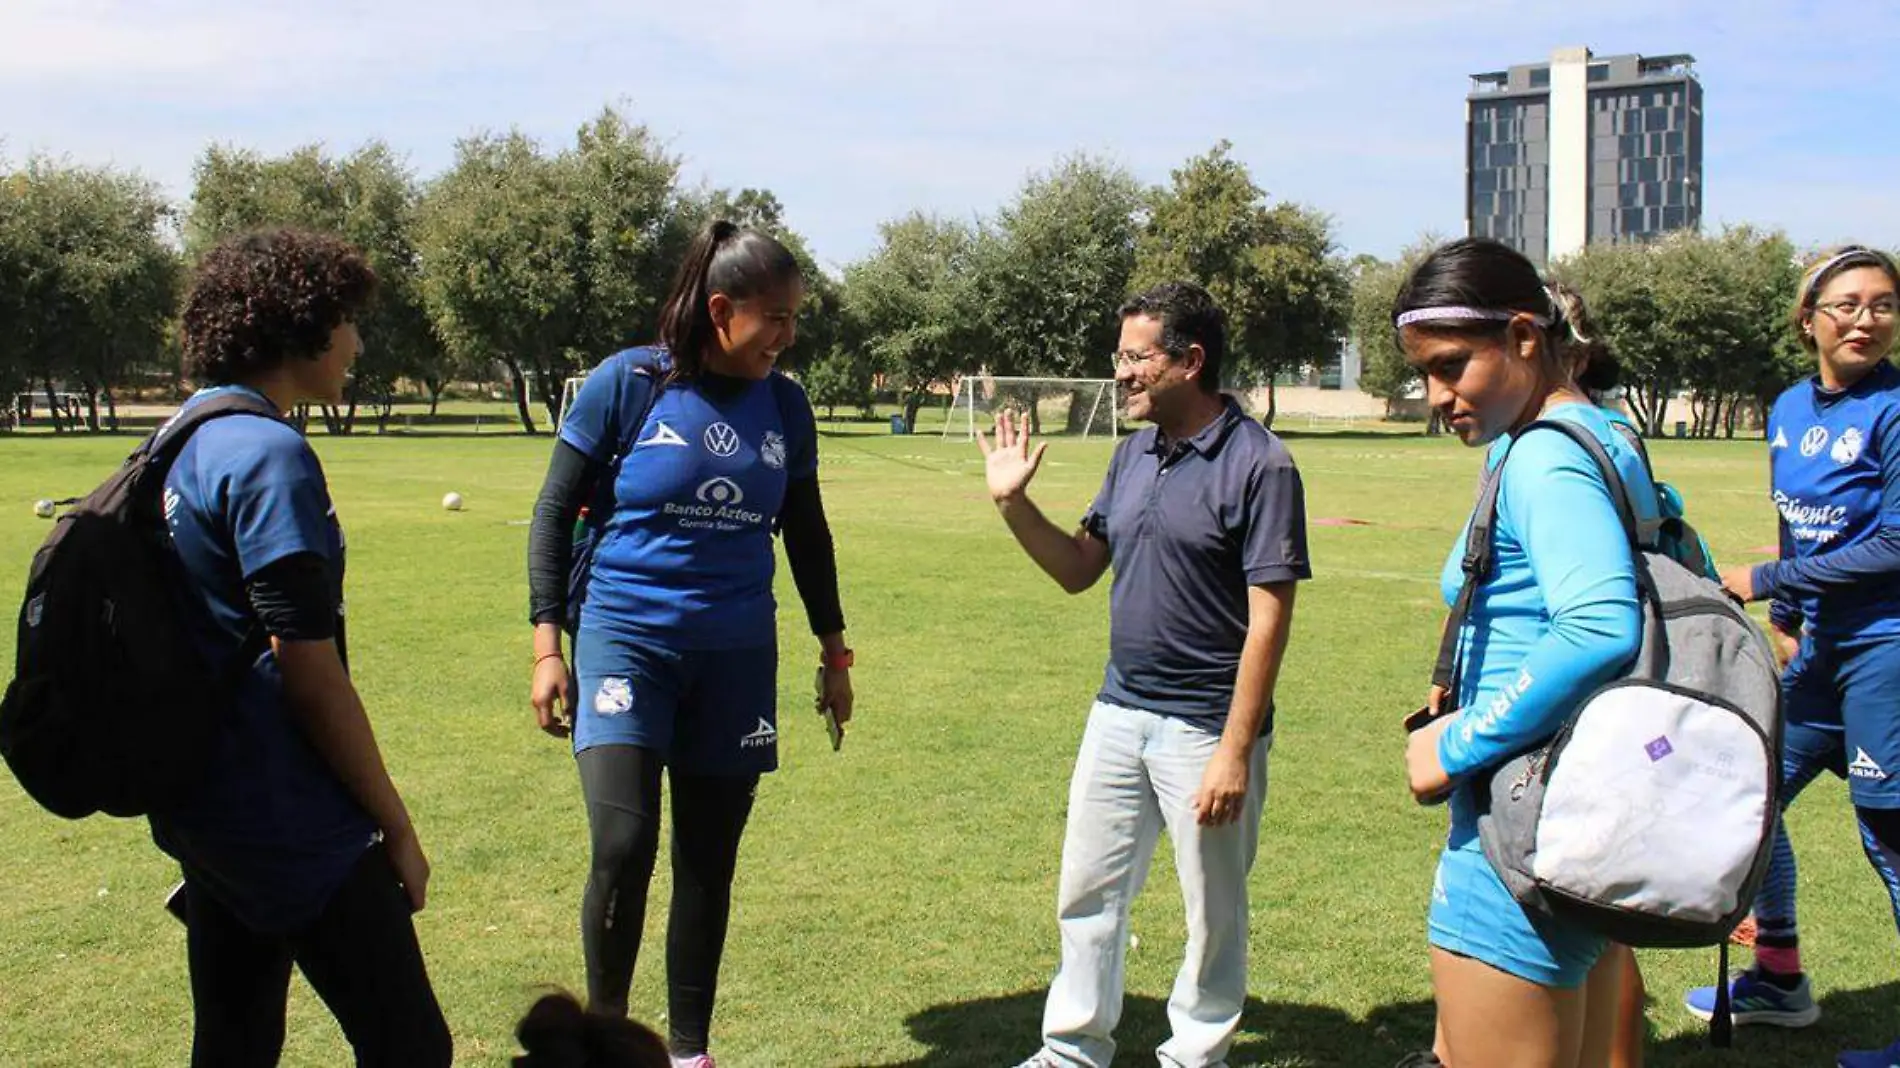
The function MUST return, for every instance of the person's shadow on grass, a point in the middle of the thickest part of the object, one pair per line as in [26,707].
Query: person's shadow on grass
[999,1032]
[1850,1019]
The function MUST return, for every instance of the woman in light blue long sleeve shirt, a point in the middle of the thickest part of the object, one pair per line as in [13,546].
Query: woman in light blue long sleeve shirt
[1556,618]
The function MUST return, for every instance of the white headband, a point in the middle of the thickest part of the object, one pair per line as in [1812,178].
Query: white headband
[1461,311]
[1835,260]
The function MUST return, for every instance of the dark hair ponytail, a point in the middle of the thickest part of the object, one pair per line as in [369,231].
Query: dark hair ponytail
[722,259]
[558,1033]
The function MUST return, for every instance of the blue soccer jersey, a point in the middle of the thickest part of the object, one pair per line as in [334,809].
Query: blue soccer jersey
[1835,460]
[273,832]
[686,557]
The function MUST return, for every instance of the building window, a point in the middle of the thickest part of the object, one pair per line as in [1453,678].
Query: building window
[1599,72]
[1540,78]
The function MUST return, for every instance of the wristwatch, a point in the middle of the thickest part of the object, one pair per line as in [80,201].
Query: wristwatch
[840,661]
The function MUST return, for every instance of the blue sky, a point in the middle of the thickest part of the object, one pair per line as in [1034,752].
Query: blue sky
[856,111]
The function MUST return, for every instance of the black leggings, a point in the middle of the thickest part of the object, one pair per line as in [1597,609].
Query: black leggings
[621,784]
[360,956]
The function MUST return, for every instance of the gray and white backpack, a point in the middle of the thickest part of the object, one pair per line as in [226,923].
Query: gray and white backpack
[1650,815]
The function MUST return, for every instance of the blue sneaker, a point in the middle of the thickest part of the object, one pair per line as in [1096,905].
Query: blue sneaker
[1755,1000]
[1872,1058]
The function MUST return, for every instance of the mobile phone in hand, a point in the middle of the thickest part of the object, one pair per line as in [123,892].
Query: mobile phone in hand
[1421,718]
[832,726]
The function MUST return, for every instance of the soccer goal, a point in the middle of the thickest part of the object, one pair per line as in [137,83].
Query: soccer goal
[569,390]
[1080,407]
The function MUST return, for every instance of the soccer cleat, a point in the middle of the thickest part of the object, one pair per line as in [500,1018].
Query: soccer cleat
[697,1060]
[1872,1058]
[1755,1000]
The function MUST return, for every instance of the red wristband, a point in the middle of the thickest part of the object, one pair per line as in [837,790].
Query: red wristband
[838,661]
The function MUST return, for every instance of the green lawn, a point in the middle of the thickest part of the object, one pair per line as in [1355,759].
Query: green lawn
[895,901]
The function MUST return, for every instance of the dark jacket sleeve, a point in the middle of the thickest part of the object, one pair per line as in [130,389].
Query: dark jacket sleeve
[571,474]
[813,557]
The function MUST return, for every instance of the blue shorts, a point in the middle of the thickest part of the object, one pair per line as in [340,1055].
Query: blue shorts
[1473,915]
[710,712]
[1841,698]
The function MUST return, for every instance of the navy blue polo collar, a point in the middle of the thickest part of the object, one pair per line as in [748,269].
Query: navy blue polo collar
[1211,437]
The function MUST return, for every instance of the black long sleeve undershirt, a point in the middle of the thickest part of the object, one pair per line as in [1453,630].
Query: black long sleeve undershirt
[291,597]
[570,478]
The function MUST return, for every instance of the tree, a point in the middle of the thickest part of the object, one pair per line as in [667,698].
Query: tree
[1052,269]
[501,260]
[911,306]
[547,264]
[1272,268]
[1383,371]
[91,279]
[1695,313]
[370,199]
[840,377]
[1619,287]
[631,229]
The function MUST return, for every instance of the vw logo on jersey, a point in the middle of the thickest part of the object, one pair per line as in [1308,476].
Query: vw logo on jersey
[721,440]
[719,491]
[1814,441]
[1847,447]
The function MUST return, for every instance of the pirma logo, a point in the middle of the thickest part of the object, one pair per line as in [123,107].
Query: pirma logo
[765,735]
[662,435]
[719,491]
[721,439]
[1814,441]
[35,611]
[1866,767]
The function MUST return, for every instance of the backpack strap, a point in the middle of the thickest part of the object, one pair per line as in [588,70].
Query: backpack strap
[1635,439]
[161,450]
[164,445]
[1476,567]
[1479,533]
[1606,467]
[645,371]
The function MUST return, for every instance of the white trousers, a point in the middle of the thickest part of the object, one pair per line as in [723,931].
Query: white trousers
[1136,773]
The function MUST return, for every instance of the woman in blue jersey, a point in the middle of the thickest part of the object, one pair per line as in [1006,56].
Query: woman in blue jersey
[1834,602]
[697,451]
[297,849]
[1556,618]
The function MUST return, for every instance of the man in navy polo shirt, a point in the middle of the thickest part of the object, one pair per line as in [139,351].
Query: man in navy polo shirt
[1203,516]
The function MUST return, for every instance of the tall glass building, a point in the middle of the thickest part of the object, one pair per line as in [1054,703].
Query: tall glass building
[1583,149]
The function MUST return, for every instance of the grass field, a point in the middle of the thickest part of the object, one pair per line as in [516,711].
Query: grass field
[895,901]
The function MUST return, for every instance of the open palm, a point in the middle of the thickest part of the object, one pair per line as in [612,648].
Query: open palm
[1010,463]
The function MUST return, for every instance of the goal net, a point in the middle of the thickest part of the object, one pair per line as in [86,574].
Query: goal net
[1079,407]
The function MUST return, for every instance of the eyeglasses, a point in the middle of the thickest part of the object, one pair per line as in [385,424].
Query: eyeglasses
[1129,358]
[1847,312]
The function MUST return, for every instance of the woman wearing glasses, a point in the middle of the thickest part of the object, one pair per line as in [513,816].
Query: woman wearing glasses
[1834,449]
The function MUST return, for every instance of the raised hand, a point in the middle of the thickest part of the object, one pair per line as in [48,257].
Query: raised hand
[1009,464]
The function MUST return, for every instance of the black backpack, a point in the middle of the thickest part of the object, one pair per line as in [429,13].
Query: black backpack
[113,707]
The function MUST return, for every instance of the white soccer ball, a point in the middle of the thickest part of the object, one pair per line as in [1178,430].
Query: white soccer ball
[43,508]
[452,502]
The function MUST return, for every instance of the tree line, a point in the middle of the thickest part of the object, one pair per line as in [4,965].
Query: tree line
[520,266]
